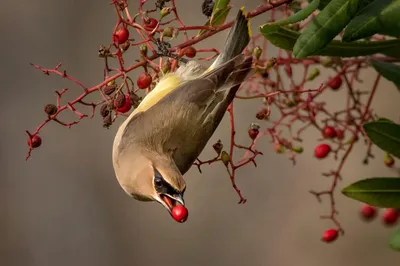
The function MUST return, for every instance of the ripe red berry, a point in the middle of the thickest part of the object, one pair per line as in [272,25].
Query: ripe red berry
[322,150]
[150,23]
[189,51]
[335,83]
[126,107]
[368,212]
[180,213]
[390,216]
[253,133]
[330,235]
[339,134]
[329,132]
[121,35]
[144,80]
[35,141]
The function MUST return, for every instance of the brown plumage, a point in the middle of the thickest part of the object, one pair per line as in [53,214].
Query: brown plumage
[154,148]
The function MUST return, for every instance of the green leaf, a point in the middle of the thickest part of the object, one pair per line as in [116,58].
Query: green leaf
[390,20]
[389,71]
[323,4]
[394,241]
[382,119]
[299,16]
[286,39]
[382,192]
[326,26]
[218,16]
[374,18]
[384,135]
[294,6]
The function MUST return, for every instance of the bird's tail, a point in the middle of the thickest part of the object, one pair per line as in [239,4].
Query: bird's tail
[238,38]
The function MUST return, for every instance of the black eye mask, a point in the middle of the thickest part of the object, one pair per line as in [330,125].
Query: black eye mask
[162,186]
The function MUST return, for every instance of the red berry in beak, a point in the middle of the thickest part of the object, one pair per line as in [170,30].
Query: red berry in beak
[180,213]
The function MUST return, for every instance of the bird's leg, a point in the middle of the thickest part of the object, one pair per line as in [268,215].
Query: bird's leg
[163,51]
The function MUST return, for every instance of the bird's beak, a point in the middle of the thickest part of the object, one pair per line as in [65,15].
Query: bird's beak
[169,201]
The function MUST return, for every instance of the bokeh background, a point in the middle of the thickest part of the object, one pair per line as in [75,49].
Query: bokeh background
[65,207]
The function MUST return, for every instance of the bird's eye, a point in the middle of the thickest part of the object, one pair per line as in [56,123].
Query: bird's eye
[158,182]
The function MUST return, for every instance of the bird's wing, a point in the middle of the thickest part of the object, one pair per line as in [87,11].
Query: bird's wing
[193,111]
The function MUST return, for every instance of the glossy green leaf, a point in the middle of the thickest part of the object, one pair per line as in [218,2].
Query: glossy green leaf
[374,18]
[286,39]
[390,20]
[323,4]
[294,6]
[384,135]
[218,16]
[389,71]
[394,241]
[326,26]
[382,192]
[299,16]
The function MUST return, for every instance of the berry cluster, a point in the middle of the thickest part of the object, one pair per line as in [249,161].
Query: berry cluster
[390,217]
[293,100]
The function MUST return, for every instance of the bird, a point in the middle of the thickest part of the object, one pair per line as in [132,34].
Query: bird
[161,139]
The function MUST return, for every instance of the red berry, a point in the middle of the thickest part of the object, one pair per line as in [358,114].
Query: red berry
[126,107]
[329,132]
[180,213]
[322,150]
[330,235]
[144,80]
[35,141]
[335,83]
[150,23]
[368,212]
[390,216]
[189,51]
[339,134]
[121,35]
[253,133]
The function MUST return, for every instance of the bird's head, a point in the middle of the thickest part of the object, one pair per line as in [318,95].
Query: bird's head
[148,176]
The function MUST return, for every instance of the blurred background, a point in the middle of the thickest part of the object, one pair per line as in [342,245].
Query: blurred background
[65,207]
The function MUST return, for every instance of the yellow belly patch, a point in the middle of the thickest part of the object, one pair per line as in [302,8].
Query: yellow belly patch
[165,86]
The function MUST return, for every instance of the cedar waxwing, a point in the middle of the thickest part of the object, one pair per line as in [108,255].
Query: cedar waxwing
[163,136]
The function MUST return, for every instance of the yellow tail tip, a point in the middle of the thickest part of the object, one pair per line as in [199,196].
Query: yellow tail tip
[248,22]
